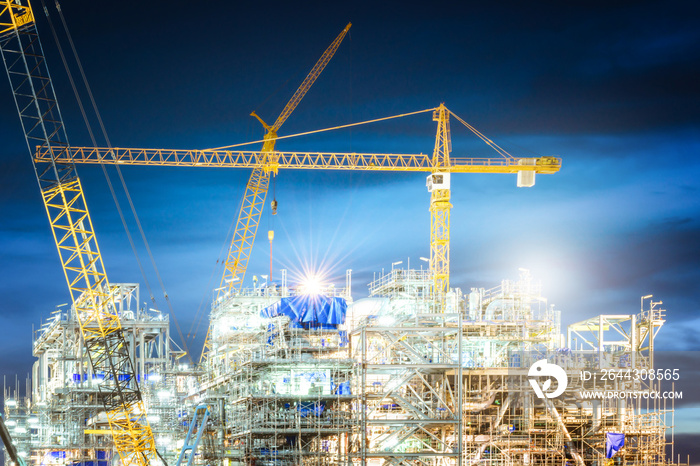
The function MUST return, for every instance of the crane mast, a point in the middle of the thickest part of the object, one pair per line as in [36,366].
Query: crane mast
[64,200]
[440,206]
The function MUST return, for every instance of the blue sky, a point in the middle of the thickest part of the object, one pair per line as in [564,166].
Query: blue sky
[610,88]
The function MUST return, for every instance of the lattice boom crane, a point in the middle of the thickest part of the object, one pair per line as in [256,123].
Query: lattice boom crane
[256,190]
[62,193]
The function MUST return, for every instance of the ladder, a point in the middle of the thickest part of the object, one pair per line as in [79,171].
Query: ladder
[199,422]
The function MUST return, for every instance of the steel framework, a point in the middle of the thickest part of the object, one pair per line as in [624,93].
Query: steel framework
[298,160]
[62,417]
[440,205]
[420,380]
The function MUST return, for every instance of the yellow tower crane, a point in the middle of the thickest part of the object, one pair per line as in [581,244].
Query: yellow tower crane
[62,193]
[440,165]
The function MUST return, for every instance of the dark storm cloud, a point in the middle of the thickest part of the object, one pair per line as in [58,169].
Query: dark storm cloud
[623,101]
[14,362]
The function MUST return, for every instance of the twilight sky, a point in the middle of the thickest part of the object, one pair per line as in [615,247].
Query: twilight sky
[611,87]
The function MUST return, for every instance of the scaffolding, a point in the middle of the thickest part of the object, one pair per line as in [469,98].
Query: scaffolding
[410,377]
[285,388]
[59,419]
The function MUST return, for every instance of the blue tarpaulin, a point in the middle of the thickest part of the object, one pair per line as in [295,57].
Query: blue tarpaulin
[613,442]
[309,309]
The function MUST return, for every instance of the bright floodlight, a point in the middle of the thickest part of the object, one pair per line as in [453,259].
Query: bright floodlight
[312,285]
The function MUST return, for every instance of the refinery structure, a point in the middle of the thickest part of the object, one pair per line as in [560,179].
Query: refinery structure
[403,377]
[417,372]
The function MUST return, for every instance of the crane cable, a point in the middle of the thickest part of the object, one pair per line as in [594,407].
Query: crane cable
[324,129]
[121,178]
[502,152]
[92,137]
[276,91]
[478,134]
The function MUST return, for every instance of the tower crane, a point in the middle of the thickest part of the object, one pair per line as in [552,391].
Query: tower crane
[440,165]
[62,193]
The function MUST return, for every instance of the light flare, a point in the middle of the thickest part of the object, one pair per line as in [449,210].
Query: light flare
[312,285]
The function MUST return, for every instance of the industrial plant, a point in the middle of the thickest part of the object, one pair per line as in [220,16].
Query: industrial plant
[398,377]
[298,372]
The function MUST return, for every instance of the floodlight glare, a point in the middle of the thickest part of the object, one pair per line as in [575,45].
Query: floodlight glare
[312,285]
